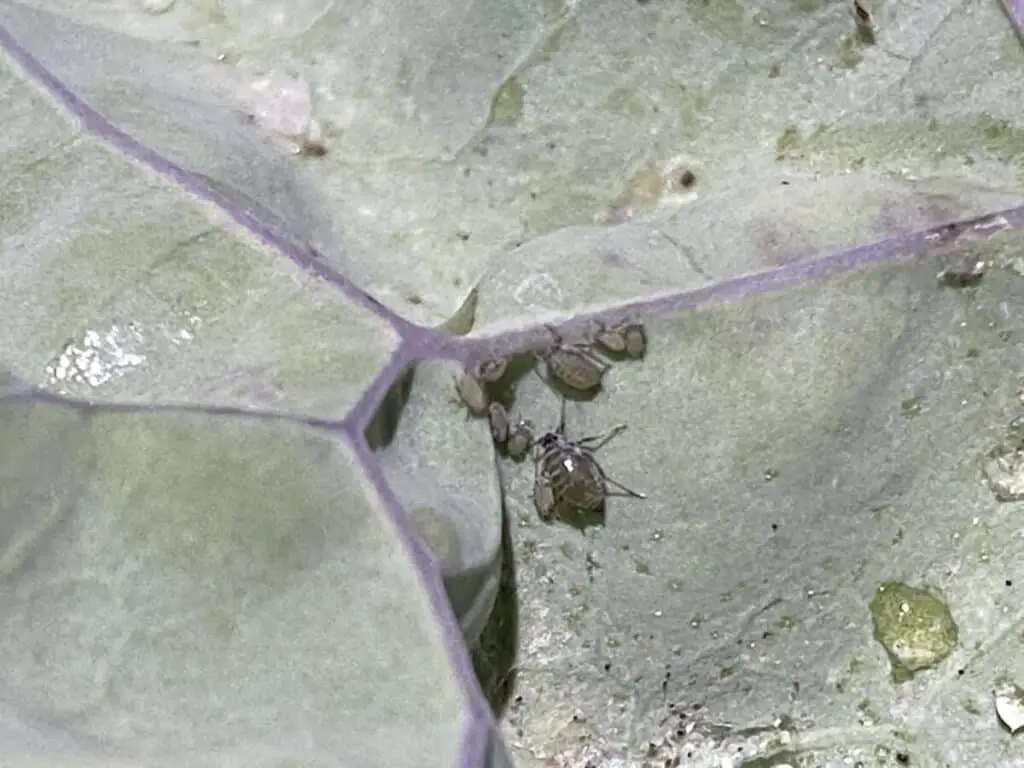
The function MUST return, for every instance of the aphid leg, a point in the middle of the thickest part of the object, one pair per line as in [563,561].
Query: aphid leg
[554,334]
[602,439]
[624,490]
[584,349]
[592,355]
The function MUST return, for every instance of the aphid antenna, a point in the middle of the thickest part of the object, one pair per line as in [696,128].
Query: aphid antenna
[554,332]
[603,439]
[623,490]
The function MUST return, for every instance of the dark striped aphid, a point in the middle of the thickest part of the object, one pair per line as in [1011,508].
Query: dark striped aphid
[568,477]
[627,338]
[574,365]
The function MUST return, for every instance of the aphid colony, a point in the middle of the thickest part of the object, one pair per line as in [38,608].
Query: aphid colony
[567,476]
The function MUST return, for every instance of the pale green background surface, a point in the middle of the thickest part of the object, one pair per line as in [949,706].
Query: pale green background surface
[198,582]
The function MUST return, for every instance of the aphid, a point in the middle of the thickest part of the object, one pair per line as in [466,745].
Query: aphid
[627,337]
[516,439]
[498,418]
[568,477]
[968,270]
[520,440]
[472,383]
[489,370]
[573,364]
[862,13]
[864,20]
[472,393]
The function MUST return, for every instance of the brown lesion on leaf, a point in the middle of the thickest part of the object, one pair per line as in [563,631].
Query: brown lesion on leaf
[647,187]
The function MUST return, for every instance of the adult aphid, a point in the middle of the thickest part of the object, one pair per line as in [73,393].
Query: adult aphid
[567,475]
[573,365]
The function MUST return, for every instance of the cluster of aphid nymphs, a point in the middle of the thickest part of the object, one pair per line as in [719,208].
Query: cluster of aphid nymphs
[567,474]
[514,435]
[580,366]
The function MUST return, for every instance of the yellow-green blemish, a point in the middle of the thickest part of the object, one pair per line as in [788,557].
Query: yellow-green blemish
[507,106]
[914,627]
[850,56]
[626,102]
[769,761]
[911,406]
[867,713]
[788,140]
[785,622]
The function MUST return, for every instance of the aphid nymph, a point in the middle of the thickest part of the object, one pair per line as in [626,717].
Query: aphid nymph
[516,438]
[472,393]
[573,364]
[471,384]
[568,477]
[967,270]
[627,337]
[489,370]
[865,21]
[498,418]
[520,440]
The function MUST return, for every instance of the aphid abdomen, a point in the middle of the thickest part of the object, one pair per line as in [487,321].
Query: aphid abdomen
[635,338]
[575,478]
[628,338]
[575,369]
[498,419]
[519,441]
[472,393]
[573,365]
